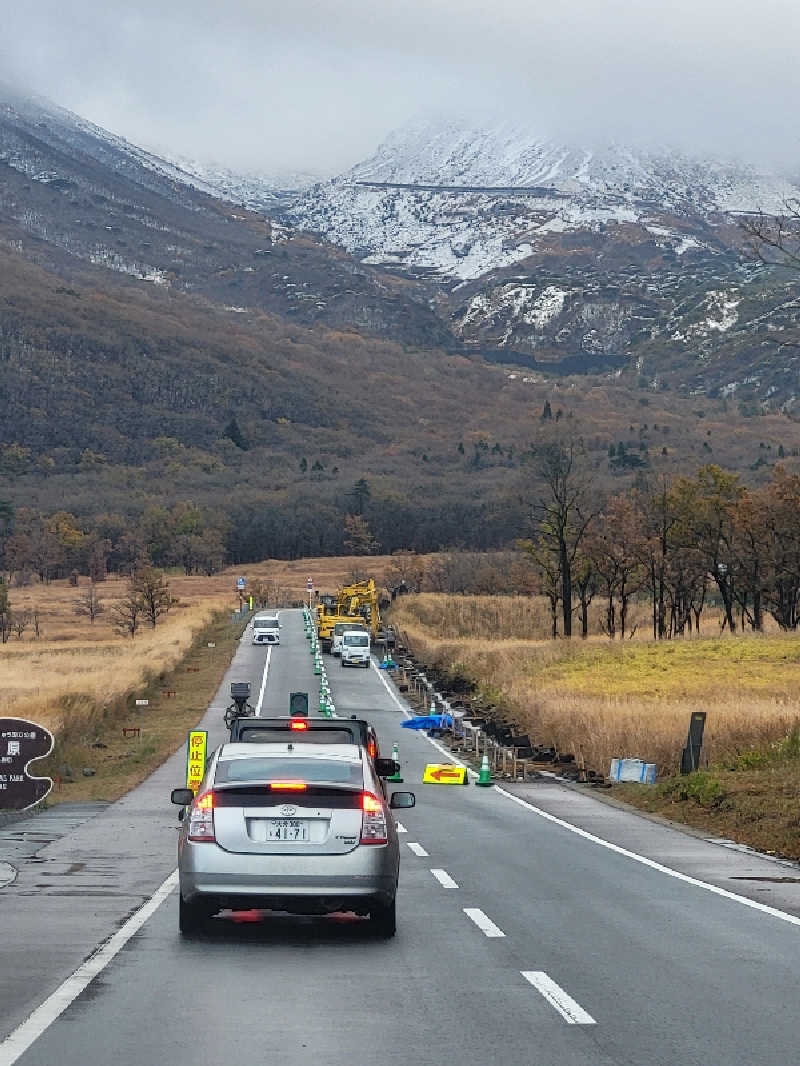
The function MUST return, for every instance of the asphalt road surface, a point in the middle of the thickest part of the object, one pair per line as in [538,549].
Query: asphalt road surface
[536,926]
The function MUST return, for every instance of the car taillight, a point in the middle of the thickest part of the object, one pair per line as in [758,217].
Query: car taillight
[288,786]
[201,820]
[373,820]
[371,748]
[298,725]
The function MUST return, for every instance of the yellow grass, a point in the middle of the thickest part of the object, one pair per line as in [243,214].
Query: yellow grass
[75,662]
[604,699]
[76,668]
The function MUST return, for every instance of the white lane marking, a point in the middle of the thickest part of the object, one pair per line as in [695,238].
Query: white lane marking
[764,908]
[18,1041]
[401,828]
[444,878]
[572,1012]
[264,682]
[417,849]
[483,921]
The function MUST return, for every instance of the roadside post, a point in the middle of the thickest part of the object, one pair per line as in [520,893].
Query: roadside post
[690,756]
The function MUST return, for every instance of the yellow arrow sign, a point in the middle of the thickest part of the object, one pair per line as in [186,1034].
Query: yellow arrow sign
[444,774]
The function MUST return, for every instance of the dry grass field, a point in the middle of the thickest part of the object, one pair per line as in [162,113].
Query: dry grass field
[605,698]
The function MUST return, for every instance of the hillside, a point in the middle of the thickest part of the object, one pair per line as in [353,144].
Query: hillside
[560,257]
[91,194]
[140,399]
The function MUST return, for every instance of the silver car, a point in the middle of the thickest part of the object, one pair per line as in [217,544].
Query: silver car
[303,828]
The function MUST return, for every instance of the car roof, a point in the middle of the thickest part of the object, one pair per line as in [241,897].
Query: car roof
[337,752]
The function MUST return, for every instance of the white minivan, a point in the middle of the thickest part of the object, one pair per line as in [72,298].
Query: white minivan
[266,629]
[339,630]
[355,648]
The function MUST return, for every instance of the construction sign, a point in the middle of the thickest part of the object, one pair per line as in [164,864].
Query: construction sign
[196,758]
[444,774]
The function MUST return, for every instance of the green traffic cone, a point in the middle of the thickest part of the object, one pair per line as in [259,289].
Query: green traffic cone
[484,777]
[395,779]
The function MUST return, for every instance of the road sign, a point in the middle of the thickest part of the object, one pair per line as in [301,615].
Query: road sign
[444,774]
[21,743]
[310,584]
[196,758]
[240,583]
[143,703]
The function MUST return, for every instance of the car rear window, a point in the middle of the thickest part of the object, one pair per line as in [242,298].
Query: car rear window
[279,768]
[356,640]
[277,734]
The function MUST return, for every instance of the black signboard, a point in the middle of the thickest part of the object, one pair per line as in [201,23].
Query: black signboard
[21,743]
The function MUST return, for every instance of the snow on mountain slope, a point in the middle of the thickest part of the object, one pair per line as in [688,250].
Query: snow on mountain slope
[461,201]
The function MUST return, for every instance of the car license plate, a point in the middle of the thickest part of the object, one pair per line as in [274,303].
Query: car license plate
[287,829]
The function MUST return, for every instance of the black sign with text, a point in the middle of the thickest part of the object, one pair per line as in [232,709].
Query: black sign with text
[21,743]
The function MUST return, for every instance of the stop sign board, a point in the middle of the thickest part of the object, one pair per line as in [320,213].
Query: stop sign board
[21,743]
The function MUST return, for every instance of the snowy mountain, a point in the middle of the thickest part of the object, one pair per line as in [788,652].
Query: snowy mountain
[461,201]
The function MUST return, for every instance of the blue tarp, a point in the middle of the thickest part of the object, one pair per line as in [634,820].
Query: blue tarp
[429,721]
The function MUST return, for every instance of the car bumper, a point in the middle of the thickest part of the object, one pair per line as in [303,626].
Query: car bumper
[349,661]
[313,884]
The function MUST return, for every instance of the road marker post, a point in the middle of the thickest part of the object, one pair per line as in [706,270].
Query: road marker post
[396,779]
[485,776]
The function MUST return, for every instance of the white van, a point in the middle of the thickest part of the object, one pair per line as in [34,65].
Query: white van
[355,648]
[266,629]
[339,630]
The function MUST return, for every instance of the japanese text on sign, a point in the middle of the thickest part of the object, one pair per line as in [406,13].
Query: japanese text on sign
[196,758]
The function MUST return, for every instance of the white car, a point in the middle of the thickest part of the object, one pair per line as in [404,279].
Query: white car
[266,629]
[355,648]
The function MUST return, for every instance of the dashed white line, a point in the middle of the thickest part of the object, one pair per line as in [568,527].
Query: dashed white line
[444,878]
[18,1042]
[264,681]
[401,828]
[483,921]
[417,849]
[572,1012]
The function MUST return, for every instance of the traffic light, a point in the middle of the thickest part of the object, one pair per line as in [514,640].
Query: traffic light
[298,704]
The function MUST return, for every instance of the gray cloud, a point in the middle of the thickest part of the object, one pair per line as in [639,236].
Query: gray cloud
[314,85]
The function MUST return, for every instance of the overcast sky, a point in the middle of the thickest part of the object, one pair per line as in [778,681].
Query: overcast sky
[313,85]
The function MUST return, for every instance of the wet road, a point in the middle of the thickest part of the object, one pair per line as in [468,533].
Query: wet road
[520,940]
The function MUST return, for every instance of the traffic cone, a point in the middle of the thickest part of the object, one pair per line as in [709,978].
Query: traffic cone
[395,779]
[484,777]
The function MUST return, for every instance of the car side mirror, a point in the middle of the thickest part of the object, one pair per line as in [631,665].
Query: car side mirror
[387,767]
[183,797]
[402,800]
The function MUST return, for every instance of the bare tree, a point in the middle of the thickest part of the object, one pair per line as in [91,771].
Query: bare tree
[151,589]
[5,613]
[20,620]
[89,605]
[562,514]
[127,614]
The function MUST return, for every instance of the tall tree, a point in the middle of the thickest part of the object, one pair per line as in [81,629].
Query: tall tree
[562,514]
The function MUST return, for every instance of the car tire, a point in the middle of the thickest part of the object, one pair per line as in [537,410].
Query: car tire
[383,919]
[192,915]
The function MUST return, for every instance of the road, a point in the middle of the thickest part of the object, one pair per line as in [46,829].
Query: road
[536,925]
